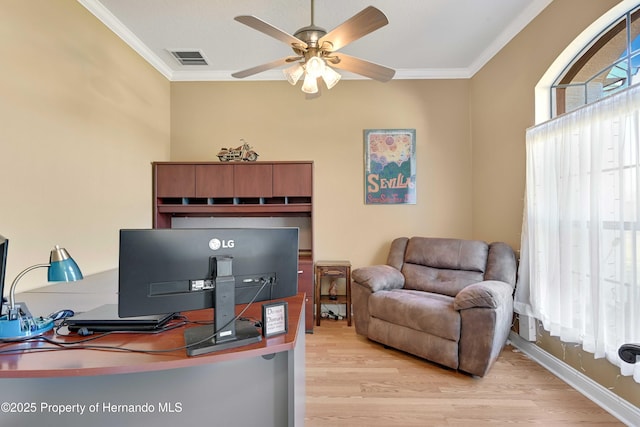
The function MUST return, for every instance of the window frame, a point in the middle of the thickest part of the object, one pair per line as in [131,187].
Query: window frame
[564,80]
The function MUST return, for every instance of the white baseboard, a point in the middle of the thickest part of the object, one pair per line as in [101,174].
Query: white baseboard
[607,400]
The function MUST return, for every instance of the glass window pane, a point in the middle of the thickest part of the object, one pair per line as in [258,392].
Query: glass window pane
[603,67]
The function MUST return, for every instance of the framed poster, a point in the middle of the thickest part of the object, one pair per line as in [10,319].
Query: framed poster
[275,319]
[390,166]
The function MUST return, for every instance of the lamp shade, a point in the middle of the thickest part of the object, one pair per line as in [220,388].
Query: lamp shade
[310,84]
[63,268]
[330,77]
[293,73]
[315,66]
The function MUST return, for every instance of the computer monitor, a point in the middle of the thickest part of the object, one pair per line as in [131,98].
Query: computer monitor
[176,270]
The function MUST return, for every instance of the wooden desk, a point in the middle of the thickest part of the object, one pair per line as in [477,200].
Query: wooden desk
[260,384]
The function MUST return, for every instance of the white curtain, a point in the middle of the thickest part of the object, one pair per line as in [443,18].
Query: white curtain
[580,251]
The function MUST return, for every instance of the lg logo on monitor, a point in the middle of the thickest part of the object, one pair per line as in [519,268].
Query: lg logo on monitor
[216,244]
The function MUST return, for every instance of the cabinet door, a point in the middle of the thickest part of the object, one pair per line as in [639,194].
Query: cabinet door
[214,181]
[292,179]
[175,181]
[252,180]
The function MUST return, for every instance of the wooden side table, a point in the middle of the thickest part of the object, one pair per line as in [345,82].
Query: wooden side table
[334,270]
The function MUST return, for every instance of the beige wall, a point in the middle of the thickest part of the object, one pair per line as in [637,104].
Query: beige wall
[82,118]
[282,125]
[502,107]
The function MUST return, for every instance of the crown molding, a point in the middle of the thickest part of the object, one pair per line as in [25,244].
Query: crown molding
[115,25]
[508,34]
[192,74]
[276,75]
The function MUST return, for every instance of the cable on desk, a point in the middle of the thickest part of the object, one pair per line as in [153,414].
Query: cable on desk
[80,344]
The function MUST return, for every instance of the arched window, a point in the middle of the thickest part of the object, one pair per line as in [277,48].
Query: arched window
[580,251]
[609,63]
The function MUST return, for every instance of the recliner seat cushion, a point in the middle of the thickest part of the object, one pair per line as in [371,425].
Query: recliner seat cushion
[418,310]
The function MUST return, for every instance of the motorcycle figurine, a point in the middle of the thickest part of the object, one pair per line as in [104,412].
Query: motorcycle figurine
[242,153]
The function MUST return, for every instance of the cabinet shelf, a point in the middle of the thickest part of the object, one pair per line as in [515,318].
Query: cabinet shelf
[237,209]
[340,299]
[279,201]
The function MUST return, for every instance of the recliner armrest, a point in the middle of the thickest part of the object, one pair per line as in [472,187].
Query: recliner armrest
[378,277]
[485,294]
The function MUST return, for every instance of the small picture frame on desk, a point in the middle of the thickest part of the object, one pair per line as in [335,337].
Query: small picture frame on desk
[275,319]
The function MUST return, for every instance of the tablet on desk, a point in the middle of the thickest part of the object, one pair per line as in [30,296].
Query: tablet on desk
[105,319]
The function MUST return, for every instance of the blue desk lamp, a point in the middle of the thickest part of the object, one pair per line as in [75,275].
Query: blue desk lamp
[16,321]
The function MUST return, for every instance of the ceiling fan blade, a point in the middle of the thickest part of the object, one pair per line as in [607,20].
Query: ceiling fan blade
[359,25]
[270,30]
[260,68]
[362,67]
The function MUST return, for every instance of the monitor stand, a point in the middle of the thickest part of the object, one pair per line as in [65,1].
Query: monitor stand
[227,331]
[199,339]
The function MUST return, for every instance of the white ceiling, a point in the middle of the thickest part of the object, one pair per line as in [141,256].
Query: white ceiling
[424,38]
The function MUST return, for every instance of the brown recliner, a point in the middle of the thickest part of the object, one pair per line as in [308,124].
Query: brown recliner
[449,301]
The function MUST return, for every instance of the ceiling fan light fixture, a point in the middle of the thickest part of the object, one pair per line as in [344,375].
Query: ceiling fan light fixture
[294,73]
[316,50]
[330,77]
[310,84]
[315,66]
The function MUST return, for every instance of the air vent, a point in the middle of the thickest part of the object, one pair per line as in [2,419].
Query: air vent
[189,57]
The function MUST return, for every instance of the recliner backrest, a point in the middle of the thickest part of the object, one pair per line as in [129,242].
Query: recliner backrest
[501,264]
[443,266]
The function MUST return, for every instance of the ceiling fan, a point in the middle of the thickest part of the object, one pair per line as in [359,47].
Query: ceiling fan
[317,51]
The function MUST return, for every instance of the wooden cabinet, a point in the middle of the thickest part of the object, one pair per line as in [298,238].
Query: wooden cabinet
[214,181]
[305,284]
[254,189]
[175,180]
[253,180]
[292,179]
[223,189]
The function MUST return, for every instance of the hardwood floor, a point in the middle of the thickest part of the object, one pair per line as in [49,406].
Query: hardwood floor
[352,381]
